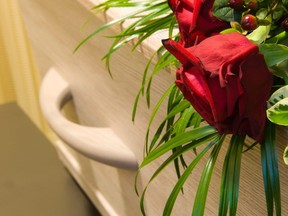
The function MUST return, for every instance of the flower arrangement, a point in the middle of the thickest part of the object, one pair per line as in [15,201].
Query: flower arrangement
[231,83]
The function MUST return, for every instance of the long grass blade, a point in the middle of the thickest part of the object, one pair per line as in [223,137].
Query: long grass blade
[179,185]
[230,177]
[202,191]
[195,134]
[270,171]
[103,27]
[163,61]
[184,120]
[114,4]
[142,88]
[174,156]
[134,14]
[155,110]
[146,20]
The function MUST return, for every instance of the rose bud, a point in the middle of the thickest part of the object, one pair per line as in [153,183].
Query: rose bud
[195,20]
[227,81]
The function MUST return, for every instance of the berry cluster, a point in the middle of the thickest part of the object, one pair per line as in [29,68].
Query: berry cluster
[241,4]
[250,21]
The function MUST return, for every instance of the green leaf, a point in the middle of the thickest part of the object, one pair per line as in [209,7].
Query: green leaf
[117,44]
[155,110]
[179,127]
[260,34]
[202,191]
[180,107]
[278,113]
[140,12]
[222,11]
[170,159]
[156,25]
[164,60]
[279,38]
[229,30]
[179,185]
[175,105]
[175,155]
[182,123]
[103,27]
[230,177]
[141,90]
[278,107]
[281,70]
[250,147]
[116,3]
[195,134]
[274,53]
[147,21]
[278,95]
[285,155]
[269,161]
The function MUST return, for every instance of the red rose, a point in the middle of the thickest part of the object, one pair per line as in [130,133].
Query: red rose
[227,81]
[195,20]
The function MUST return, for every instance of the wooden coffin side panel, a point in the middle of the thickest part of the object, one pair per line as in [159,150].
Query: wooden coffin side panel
[54,30]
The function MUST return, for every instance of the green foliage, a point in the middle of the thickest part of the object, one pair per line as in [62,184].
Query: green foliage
[281,70]
[276,57]
[186,141]
[202,190]
[148,18]
[278,95]
[201,196]
[285,155]
[222,11]
[195,135]
[117,3]
[164,60]
[230,177]
[260,34]
[278,111]
[269,160]
[274,53]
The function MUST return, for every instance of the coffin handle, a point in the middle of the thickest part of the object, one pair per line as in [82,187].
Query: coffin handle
[97,143]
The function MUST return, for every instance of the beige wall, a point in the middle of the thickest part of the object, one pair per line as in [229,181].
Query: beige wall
[18,71]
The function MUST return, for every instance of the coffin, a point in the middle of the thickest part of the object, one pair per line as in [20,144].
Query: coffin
[54,29]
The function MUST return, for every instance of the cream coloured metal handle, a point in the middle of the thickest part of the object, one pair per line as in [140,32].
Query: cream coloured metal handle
[99,144]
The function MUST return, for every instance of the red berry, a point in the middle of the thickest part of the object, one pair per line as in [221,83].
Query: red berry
[249,22]
[236,4]
[284,24]
[253,5]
